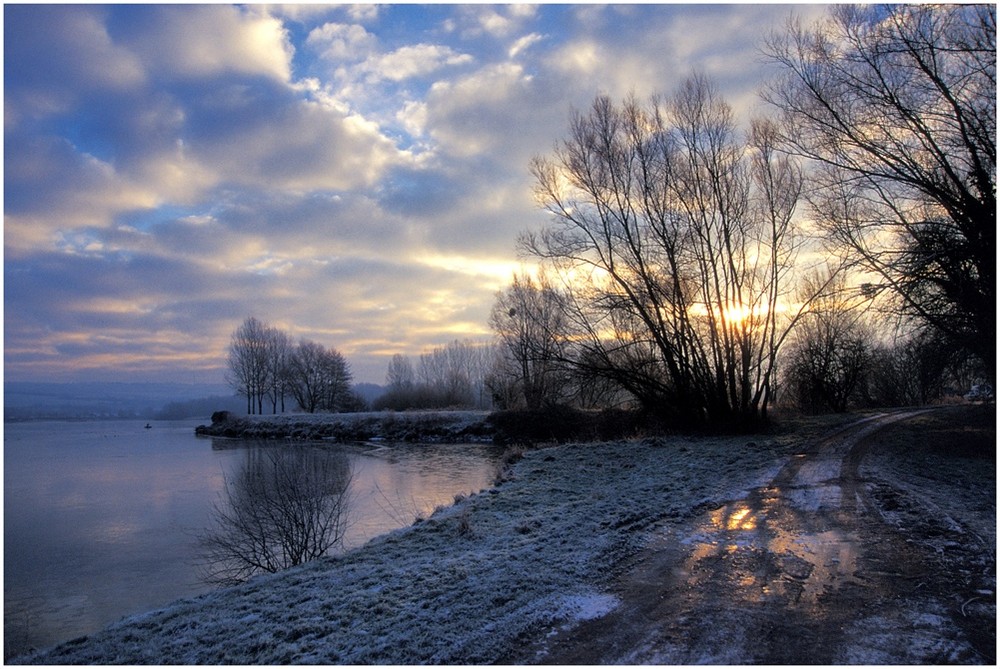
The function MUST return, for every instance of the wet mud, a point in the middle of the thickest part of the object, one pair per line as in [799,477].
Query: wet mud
[804,570]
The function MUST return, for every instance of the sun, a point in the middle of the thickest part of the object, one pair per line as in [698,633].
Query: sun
[735,314]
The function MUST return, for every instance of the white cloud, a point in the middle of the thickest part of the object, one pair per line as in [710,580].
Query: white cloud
[274,139]
[413,117]
[479,112]
[494,24]
[523,43]
[413,61]
[522,10]
[342,42]
[61,55]
[363,13]
[579,58]
[205,41]
[493,21]
[50,187]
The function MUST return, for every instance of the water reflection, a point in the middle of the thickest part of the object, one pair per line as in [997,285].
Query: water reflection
[764,547]
[734,518]
[101,519]
[284,506]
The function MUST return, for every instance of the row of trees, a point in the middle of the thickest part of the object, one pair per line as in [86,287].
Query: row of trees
[675,263]
[267,369]
[264,366]
[456,375]
[837,360]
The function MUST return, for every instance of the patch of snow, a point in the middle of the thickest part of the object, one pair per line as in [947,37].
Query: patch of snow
[588,606]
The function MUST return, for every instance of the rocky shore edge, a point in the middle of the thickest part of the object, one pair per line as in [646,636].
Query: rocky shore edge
[408,426]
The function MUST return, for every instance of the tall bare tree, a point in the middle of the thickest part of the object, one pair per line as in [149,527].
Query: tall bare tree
[278,357]
[894,106]
[674,242]
[249,371]
[400,376]
[454,374]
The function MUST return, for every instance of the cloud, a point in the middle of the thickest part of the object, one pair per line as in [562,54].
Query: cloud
[97,157]
[342,42]
[476,113]
[211,40]
[355,174]
[266,135]
[49,186]
[73,49]
[492,21]
[413,61]
[523,43]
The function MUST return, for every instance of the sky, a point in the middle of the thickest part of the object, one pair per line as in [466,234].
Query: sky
[356,175]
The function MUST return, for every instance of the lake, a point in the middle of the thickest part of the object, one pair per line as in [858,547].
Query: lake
[101,518]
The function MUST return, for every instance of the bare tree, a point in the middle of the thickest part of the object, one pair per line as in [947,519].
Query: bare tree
[894,106]
[401,386]
[278,357]
[318,378]
[528,319]
[285,506]
[674,242]
[831,349]
[249,371]
[337,395]
[400,376]
[306,375]
[917,369]
[454,374]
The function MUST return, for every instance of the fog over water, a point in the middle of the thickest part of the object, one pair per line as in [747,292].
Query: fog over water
[101,518]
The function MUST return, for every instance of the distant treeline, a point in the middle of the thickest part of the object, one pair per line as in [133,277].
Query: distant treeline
[199,408]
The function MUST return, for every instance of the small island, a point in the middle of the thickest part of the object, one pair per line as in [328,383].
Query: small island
[390,426]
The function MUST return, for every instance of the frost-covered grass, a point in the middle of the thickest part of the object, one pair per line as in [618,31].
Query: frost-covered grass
[465,585]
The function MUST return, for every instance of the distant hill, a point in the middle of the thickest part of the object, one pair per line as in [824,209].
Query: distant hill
[202,407]
[35,401]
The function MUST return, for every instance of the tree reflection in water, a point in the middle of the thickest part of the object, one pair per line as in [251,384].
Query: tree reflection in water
[284,506]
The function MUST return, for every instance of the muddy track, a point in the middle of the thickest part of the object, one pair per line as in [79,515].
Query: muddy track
[787,575]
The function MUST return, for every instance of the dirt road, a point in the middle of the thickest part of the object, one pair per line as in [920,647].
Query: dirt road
[809,569]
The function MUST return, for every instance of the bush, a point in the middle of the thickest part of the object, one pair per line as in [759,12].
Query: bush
[562,423]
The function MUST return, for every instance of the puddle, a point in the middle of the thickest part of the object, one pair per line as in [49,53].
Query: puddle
[784,542]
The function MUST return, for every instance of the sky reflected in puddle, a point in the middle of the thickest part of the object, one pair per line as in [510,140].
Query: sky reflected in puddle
[749,545]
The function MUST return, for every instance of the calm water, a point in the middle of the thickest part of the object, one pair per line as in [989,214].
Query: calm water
[100,518]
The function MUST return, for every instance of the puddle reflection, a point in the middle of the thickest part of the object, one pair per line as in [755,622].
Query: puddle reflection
[757,547]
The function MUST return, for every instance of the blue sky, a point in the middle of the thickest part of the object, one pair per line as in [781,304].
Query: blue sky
[357,175]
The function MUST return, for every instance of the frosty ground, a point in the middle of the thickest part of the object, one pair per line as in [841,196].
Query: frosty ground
[500,572]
